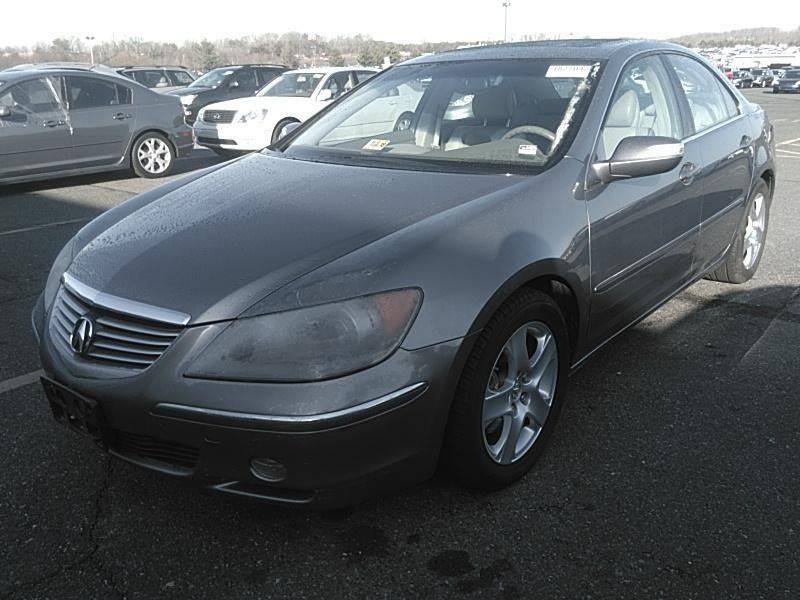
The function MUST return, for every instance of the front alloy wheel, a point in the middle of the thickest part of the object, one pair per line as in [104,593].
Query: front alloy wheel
[520,392]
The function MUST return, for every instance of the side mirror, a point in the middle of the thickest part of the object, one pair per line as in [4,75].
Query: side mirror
[639,156]
[324,95]
[288,129]
[5,112]
[233,85]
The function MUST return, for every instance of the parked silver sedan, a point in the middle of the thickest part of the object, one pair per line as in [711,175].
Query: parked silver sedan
[59,121]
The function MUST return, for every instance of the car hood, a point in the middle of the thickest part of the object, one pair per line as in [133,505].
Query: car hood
[258,102]
[220,243]
[186,91]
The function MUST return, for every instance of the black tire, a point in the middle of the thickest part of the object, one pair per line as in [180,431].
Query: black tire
[404,122]
[465,451]
[144,167]
[733,270]
[774,91]
[277,131]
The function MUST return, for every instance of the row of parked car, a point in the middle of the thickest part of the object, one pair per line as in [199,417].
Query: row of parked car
[69,119]
[780,80]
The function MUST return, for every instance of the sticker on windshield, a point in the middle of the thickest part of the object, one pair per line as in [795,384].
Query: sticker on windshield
[569,71]
[528,150]
[376,144]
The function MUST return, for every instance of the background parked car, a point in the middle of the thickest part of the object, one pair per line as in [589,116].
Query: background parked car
[762,77]
[67,121]
[159,78]
[743,79]
[788,80]
[225,83]
[253,123]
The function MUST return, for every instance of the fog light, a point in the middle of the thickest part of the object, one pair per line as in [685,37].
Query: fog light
[268,469]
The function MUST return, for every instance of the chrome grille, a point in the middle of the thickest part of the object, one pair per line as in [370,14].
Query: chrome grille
[218,116]
[119,339]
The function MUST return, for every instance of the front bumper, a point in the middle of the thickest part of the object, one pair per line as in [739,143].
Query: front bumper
[229,136]
[339,440]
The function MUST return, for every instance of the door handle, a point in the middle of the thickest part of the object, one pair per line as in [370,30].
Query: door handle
[53,123]
[120,116]
[686,174]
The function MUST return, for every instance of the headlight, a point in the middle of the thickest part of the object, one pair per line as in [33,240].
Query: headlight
[60,265]
[311,344]
[188,99]
[251,116]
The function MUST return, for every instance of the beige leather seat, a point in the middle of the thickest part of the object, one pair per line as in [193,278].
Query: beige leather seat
[494,106]
[622,122]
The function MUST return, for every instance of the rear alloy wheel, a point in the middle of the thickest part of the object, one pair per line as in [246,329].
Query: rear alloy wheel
[510,393]
[744,255]
[153,156]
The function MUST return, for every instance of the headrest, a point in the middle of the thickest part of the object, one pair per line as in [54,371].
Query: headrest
[495,103]
[624,111]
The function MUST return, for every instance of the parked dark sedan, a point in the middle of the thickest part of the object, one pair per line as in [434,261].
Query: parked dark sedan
[787,81]
[59,121]
[225,83]
[762,77]
[333,315]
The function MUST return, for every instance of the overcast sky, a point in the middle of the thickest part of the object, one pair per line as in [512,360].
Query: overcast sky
[400,20]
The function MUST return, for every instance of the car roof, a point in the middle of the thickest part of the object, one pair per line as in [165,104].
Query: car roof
[24,71]
[327,70]
[574,49]
[274,66]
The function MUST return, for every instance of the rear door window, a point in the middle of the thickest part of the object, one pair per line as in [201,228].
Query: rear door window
[709,101]
[88,92]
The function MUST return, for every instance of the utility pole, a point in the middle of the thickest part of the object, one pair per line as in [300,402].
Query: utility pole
[90,39]
[506,4]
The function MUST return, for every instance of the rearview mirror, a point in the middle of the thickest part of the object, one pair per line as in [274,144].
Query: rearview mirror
[5,111]
[639,156]
[324,95]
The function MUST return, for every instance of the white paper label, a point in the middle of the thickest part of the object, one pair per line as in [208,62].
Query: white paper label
[528,149]
[568,71]
[376,144]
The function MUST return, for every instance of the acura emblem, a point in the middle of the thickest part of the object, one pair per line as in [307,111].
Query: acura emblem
[82,334]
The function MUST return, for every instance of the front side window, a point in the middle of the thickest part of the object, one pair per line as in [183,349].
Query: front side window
[709,102]
[339,83]
[245,78]
[476,115]
[643,104]
[293,85]
[31,97]
[152,79]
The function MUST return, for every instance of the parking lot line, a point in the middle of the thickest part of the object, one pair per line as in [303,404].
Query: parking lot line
[20,381]
[787,142]
[43,226]
[788,151]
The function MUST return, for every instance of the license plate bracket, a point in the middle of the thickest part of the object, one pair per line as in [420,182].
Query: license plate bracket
[77,412]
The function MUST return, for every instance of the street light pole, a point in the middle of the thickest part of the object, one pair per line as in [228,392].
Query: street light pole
[506,4]
[90,39]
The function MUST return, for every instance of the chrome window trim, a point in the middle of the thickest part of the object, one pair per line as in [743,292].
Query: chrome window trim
[124,306]
[714,127]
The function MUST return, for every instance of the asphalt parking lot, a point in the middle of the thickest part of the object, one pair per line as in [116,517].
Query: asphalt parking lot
[674,472]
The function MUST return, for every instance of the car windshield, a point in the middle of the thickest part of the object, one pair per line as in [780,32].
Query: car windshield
[212,78]
[468,115]
[293,85]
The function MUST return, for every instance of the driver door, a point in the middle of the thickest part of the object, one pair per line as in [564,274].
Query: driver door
[644,230]
[35,137]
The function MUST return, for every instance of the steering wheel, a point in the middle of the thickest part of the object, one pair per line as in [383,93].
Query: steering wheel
[534,129]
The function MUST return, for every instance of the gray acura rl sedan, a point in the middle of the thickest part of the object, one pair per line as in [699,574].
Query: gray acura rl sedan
[336,314]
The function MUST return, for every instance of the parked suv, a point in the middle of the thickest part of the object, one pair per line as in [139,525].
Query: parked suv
[225,83]
[788,80]
[67,121]
[762,77]
[160,79]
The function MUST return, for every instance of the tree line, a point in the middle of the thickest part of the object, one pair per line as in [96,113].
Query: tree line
[754,37]
[292,49]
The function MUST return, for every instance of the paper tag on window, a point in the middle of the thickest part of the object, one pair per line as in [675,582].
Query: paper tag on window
[528,149]
[376,144]
[568,71]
